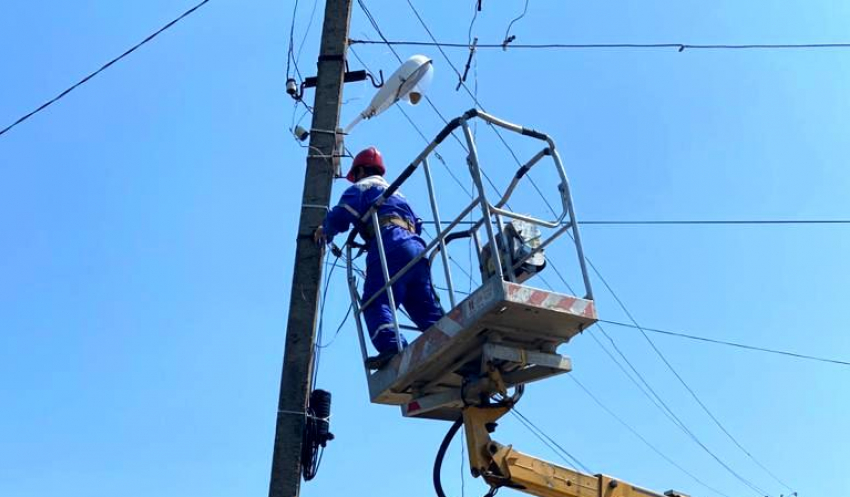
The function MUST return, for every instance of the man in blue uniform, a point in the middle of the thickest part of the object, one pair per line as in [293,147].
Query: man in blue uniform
[400,230]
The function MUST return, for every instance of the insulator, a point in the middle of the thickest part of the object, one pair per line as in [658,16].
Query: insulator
[300,133]
[291,86]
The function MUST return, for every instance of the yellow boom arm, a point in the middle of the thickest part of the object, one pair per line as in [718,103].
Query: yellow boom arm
[502,466]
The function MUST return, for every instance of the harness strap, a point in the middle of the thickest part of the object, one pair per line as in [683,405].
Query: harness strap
[367,232]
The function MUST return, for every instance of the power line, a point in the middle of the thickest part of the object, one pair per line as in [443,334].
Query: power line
[580,46]
[731,344]
[478,104]
[103,67]
[419,131]
[377,29]
[642,389]
[306,32]
[430,34]
[659,403]
[689,389]
[702,222]
[508,37]
[549,442]
[744,222]
[641,437]
[656,400]
[290,51]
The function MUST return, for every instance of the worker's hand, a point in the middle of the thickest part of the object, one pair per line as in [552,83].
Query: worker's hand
[319,236]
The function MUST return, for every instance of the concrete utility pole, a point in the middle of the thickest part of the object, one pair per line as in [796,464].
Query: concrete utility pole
[304,297]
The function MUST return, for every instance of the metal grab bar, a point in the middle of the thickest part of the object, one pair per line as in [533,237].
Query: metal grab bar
[522,171]
[439,227]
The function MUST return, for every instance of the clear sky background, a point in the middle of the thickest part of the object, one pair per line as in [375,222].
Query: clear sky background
[147,226]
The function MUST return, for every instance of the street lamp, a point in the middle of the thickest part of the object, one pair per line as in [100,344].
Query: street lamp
[408,83]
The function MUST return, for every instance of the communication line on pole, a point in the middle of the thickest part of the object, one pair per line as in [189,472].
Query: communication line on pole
[290,51]
[306,31]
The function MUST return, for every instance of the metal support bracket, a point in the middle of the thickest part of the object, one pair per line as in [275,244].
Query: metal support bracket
[528,365]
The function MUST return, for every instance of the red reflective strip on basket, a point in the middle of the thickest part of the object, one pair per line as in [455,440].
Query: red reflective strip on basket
[566,303]
[537,297]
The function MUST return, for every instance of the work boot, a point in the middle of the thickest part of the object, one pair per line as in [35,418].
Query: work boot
[378,361]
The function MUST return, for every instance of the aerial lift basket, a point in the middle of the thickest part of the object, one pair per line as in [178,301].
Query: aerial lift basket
[505,333]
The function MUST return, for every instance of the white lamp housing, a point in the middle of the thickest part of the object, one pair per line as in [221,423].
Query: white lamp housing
[408,82]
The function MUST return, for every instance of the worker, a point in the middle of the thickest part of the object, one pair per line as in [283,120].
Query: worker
[400,230]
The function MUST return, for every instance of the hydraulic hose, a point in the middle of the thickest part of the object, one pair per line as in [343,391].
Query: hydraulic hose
[441,453]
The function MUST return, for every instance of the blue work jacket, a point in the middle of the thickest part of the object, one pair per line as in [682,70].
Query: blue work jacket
[357,200]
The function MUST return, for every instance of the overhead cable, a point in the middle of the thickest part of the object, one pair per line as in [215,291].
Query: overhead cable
[656,399]
[419,131]
[290,51]
[317,354]
[103,67]
[306,32]
[700,222]
[668,412]
[643,390]
[690,391]
[718,222]
[477,103]
[642,439]
[462,145]
[508,37]
[549,441]
[581,46]
[659,402]
[731,344]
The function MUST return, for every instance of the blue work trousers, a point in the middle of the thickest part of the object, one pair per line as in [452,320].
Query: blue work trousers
[413,291]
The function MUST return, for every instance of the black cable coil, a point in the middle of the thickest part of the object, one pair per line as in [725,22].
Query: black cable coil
[316,433]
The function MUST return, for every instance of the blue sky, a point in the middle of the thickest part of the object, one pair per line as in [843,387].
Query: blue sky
[147,226]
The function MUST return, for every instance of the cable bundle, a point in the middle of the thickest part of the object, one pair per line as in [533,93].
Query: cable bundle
[316,433]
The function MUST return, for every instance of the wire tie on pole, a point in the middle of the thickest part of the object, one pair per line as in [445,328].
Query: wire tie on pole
[302,413]
[328,132]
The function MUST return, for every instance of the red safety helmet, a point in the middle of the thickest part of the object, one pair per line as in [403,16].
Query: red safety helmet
[368,157]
